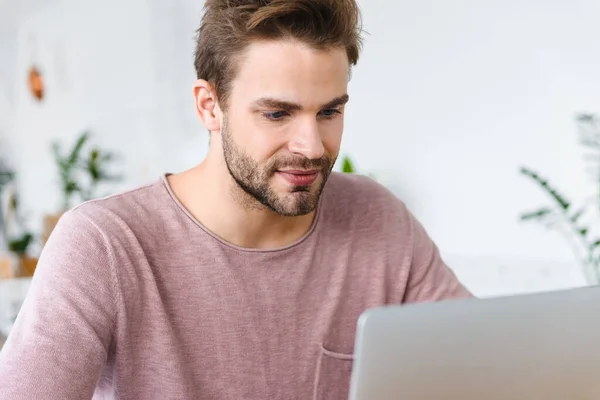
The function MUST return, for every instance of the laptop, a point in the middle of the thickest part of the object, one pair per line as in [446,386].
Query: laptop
[543,346]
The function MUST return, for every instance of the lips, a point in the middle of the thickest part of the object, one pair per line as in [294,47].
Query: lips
[299,177]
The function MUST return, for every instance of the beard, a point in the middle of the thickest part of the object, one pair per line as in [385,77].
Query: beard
[254,179]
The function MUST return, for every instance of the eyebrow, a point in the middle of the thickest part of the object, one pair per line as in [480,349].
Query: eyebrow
[288,106]
[338,101]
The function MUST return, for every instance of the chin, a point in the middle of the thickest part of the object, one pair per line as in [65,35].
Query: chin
[300,203]
[296,212]
[293,200]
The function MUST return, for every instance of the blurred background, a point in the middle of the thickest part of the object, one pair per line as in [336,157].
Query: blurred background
[480,115]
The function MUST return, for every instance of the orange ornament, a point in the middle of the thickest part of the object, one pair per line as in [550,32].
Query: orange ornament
[36,83]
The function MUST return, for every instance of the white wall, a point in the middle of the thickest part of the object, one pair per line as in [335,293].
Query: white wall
[449,99]
[109,68]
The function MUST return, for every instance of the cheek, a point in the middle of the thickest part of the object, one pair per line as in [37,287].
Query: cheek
[332,137]
[265,146]
[256,138]
[266,139]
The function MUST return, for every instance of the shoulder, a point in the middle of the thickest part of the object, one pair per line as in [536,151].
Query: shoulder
[133,202]
[118,221]
[136,210]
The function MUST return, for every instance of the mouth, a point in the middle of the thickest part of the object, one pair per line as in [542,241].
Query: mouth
[300,177]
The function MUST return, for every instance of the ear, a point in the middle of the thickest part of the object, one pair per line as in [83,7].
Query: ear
[207,107]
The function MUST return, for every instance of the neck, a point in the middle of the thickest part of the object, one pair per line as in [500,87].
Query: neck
[211,195]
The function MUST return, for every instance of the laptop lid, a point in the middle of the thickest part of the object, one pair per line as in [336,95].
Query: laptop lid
[527,347]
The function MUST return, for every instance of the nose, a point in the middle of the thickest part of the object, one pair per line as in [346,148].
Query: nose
[307,141]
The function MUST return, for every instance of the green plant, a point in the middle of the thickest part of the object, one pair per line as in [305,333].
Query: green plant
[20,244]
[562,216]
[68,165]
[18,240]
[349,168]
[348,165]
[6,175]
[96,167]
[82,171]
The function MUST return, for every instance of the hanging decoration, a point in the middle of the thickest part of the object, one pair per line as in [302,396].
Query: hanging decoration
[36,83]
[35,80]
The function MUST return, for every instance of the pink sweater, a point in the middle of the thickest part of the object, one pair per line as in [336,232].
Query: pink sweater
[134,299]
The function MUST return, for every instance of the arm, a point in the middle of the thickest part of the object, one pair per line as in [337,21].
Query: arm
[60,340]
[429,277]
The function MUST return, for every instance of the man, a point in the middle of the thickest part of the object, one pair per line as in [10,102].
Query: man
[242,278]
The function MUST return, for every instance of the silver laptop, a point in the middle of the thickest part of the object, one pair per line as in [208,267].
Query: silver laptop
[526,347]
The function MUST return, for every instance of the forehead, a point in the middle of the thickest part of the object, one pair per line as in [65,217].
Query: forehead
[290,70]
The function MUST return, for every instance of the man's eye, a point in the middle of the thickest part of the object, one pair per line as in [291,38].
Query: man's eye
[274,115]
[330,113]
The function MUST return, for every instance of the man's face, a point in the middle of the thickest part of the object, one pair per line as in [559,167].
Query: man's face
[282,127]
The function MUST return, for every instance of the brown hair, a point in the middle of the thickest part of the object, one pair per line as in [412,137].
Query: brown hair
[228,27]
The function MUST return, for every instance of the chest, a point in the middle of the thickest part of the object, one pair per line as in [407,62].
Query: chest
[273,325]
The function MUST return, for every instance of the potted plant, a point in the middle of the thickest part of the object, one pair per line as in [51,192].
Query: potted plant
[19,246]
[95,167]
[17,261]
[575,221]
[67,166]
[81,172]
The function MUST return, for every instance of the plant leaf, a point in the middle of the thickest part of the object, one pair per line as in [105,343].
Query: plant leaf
[543,183]
[577,215]
[21,244]
[74,155]
[542,212]
[347,166]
